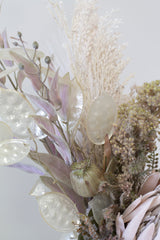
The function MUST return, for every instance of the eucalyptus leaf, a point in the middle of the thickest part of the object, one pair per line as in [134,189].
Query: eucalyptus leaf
[27,168]
[30,69]
[46,106]
[55,165]
[20,78]
[45,124]
[53,91]
[60,144]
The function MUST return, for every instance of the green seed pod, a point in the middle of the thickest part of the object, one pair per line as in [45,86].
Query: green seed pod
[85,178]
[35,45]
[47,60]
[19,34]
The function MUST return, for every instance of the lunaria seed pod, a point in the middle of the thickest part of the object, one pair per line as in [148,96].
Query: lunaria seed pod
[85,178]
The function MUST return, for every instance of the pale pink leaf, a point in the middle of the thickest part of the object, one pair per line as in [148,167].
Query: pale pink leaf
[158,234]
[63,149]
[27,168]
[46,106]
[53,91]
[54,81]
[119,225]
[150,183]
[60,144]
[50,147]
[155,203]
[148,195]
[132,206]
[20,78]
[45,124]
[132,214]
[147,233]
[55,165]
[133,225]
[30,70]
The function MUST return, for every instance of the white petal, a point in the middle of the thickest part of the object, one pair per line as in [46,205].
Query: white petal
[147,233]
[133,225]
[155,203]
[148,195]
[5,132]
[12,151]
[143,205]
[15,110]
[158,234]
[119,225]
[150,183]
[132,206]
[58,211]
[100,118]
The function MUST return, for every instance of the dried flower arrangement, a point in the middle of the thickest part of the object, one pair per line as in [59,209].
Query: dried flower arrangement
[101,177]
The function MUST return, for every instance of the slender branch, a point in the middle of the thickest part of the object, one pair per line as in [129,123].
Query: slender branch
[8,76]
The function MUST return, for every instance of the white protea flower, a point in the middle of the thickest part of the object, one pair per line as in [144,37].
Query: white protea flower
[141,220]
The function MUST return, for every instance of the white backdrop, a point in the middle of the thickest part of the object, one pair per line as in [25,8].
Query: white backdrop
[19,215]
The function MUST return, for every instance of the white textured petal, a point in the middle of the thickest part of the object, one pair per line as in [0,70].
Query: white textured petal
[5,132]
[119,225]
[150,183]
[58,211]
[143,205]
[15,110]
[158,234]
[132,206]
[12,151]
[147,233]
[133,225]
[155,203]
[100,118]
[148,195]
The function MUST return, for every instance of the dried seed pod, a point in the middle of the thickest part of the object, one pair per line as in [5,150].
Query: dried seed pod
[85,178]
[58,211]
[13,151]
[16,111]
[5,132]
[100,118]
